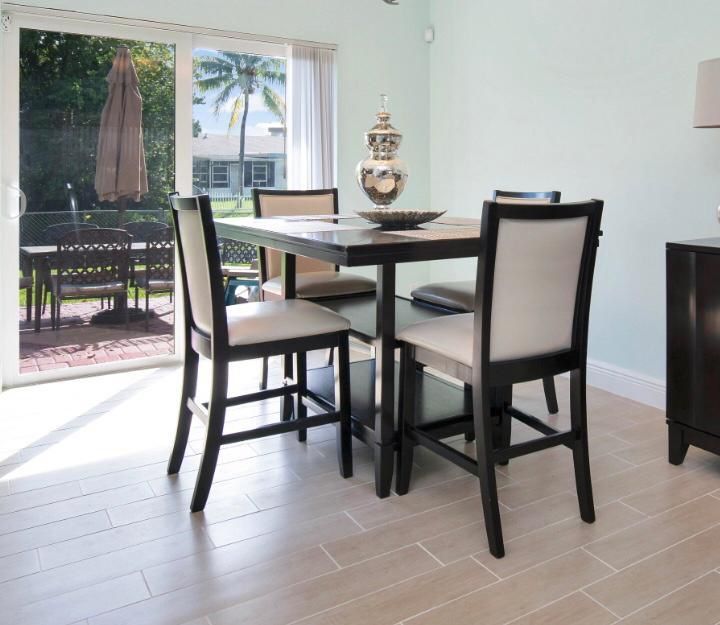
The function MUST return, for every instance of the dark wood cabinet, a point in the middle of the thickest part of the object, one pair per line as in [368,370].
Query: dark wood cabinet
[693,346]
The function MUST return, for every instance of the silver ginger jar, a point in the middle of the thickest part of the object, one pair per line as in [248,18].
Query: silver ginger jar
[382,176]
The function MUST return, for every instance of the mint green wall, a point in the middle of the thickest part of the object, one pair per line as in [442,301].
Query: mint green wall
[380,49]
[594,99]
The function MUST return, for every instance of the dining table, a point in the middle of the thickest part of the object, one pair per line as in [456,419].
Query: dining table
[38,260]
[348,241]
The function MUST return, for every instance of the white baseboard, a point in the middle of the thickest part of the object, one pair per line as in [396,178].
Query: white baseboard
[631,384]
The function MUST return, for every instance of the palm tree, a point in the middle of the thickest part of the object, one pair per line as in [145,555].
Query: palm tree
[235,76]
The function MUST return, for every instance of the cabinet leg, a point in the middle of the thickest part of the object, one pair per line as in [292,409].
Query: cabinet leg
[677,445]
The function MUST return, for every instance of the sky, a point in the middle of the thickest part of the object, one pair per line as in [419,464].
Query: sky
[258,116]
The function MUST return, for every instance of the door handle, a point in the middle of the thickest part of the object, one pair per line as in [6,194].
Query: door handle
[14,190]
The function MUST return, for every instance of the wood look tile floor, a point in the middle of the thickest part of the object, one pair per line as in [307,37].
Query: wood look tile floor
[93,531]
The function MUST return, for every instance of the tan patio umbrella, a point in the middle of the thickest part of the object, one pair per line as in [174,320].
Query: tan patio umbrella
[120,174]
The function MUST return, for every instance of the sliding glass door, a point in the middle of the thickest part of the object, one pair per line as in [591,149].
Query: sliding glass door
[64,257]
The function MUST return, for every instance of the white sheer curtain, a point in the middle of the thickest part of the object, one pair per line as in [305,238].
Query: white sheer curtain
[310,95]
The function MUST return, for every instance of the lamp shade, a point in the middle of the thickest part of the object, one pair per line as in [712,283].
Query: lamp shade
[707,98]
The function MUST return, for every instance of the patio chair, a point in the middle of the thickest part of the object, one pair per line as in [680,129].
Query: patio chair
[225,334]
[159,273]
[141,230]
[529,320]
[239,267]
[52,234]
[90,263]
[459,296]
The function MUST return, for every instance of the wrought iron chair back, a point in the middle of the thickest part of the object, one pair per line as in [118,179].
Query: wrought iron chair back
[160,254]
[237,252]
[142,230]
[52,234]
[94,256]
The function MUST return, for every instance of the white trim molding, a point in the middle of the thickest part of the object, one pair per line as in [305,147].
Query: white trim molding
[631,384]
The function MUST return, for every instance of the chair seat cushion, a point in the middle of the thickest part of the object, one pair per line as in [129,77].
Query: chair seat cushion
[459,295]
[450,336]
[154,284]
[25,282]
[263,322]
[324,284]
[68,289]
[231,271]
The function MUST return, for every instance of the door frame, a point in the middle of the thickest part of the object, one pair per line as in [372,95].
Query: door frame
[9,228]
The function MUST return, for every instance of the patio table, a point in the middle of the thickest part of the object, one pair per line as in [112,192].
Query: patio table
[352,242]
[31,257]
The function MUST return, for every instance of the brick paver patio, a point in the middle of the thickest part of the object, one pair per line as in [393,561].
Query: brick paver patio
[77,342]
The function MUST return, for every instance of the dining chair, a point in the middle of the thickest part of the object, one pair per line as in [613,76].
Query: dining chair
[89,263]
[159,273]
[225,334]
[459,296]
[530,320]
[315,279]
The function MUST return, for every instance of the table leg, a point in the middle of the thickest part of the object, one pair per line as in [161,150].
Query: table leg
[288,292]
[384,379]
[41,264]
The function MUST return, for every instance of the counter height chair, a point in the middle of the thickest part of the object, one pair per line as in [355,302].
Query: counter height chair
[532,305]
[227,334]
[315,279]
[459,296]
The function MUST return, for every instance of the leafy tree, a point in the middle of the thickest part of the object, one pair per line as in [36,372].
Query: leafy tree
[62,94]
[234,77]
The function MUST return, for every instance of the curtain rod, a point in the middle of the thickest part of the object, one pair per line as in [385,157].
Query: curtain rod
[164,26]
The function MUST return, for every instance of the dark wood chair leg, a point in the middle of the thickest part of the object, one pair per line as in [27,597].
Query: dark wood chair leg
[581,457]
[501,397]
[189,385]
[342,403]
[406,410]
[486,470]
[677,445]
[550,395]
[469,436]
[264,375]
[286,406]
[301,379]
[213,438]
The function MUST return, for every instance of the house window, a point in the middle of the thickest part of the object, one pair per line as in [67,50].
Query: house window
[221,175]
[260,174]
[201,174]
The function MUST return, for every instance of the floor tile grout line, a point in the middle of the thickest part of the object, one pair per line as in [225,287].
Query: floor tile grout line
[327,553]
[604,607]
[378,590]
[474,559]
[440,562]
[607,564]
[667,594]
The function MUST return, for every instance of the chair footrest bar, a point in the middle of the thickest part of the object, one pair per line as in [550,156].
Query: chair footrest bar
[258,396]
[281,428]
[531,421]
[314,404]
[538,444]
[198,410]
[444,450]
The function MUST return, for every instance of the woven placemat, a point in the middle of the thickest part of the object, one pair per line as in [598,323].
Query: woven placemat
[434,235]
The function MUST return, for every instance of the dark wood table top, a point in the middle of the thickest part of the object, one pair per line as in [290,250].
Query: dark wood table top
[708,246]
[352,242]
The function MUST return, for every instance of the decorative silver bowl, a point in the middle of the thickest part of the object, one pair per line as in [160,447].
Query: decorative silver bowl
[399,219]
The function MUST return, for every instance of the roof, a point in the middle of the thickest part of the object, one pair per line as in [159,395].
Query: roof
[225,148]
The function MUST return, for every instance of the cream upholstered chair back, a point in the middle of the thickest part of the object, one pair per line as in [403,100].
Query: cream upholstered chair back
[271,203]
[199,262]
[541,258]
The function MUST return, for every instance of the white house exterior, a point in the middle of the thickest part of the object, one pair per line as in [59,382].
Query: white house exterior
[216,163]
